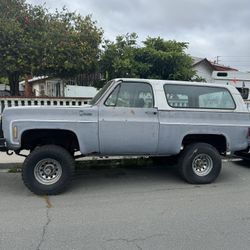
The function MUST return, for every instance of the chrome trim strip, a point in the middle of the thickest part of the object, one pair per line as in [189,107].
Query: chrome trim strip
[205,124]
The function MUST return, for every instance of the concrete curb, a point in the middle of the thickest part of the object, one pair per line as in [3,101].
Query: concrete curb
[10,165]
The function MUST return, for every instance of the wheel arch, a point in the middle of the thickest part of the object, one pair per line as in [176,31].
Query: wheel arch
[218,141]
[65,138]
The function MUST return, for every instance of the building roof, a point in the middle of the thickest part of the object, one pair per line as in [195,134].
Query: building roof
[219,67]
[197,60]
[215,66]
[34,79]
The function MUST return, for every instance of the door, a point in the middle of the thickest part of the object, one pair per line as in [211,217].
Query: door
[128,121]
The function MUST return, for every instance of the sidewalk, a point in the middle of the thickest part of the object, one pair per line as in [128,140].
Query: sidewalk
[10,161]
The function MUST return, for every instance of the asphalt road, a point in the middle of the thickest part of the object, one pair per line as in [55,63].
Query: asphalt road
[129,208]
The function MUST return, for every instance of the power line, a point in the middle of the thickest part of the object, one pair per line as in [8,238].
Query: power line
[235,61]
[234,56]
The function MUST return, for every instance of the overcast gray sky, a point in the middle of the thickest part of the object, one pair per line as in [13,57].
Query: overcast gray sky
[211,27]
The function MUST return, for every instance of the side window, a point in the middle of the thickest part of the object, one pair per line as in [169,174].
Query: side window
[111,101]
[131,94]
[220,100]
[201,97]
[176,97]
[177,100]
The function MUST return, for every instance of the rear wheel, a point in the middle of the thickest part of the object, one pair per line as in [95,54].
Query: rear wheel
[48,170]
[200,163]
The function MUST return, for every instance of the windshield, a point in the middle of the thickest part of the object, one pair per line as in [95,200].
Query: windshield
[100,93]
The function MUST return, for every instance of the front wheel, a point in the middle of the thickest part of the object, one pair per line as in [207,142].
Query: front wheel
[48,170]
[200,163]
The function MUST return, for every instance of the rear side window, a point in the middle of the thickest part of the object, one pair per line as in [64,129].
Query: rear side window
[200,97]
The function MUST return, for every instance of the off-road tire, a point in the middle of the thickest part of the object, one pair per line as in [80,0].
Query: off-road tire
[58,156]
[196,156]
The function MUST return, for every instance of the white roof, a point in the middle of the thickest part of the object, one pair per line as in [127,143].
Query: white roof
[158,83]
[36,78]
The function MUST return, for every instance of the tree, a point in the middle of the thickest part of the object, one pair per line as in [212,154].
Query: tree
[12,41]
[118,58]
[71,45]
[157,58]
[165,60]
[34,41]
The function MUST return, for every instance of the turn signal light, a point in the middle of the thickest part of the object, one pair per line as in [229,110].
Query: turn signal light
[14,132]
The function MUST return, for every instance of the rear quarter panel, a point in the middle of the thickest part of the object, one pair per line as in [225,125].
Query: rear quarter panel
[176,124]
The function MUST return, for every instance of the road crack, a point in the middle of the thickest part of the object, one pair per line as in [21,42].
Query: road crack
[136,240]
[48,220]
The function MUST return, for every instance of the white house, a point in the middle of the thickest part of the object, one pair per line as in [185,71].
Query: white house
[204,68]
[44,86]
[79,91]
[4,90]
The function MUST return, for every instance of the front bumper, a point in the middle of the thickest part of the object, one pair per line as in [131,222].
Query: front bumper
[3,145]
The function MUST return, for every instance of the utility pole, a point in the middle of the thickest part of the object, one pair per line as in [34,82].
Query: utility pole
[217,59]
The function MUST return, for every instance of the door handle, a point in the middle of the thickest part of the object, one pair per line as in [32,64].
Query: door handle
[151,112]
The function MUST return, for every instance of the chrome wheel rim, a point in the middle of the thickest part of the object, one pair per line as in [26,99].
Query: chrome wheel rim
[202,164]
[48,171]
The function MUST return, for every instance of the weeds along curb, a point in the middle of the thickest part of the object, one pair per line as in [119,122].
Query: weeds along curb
[90,164]
[10,167]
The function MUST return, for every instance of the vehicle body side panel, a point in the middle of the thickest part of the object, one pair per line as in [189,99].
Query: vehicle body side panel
[83,121]
[128,131]
[175,125]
